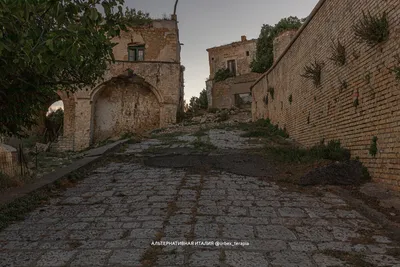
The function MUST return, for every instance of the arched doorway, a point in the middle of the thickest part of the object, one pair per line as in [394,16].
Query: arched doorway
[54,122]
[124,105]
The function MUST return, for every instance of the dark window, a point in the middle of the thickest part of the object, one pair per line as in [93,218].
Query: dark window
[232,66]
[247,53]
[212,58]
[135,53]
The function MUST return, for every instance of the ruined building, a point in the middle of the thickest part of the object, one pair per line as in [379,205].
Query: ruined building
[236,57]
[143,90]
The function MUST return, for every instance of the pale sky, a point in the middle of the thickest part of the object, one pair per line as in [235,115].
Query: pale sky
[208,23]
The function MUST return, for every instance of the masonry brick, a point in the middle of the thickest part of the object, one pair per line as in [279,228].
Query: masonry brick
[331,112]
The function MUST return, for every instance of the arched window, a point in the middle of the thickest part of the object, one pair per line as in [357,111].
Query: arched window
[135,52]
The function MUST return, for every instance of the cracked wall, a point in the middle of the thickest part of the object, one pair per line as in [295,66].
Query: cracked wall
[149,99]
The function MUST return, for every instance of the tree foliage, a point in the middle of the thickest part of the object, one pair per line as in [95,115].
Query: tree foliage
[54,123]
[264,55]
[203,100]
[222,75]
[198,103]
[53,45]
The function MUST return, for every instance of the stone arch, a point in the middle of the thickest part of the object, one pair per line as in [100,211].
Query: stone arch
[124,104]
[68,101]
[133,79]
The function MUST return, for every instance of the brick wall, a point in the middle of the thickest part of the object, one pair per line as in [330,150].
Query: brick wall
[330,110]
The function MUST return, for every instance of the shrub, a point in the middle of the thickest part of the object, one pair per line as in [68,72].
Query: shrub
[222,75]
[213,110]
[313,72]
[223,116]
[332,151]
[267,126]
[338,53]
[372,29]
[373,149]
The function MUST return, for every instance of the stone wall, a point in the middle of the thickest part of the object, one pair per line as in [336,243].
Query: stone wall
[328,111]
[223,93]
[282,41]
[64,143]
[124,107]
[120,104]
[209,86]
[160,40]
[8,160]
[243,52]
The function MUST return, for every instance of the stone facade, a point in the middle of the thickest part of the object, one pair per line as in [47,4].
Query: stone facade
[329,112]
[129,102]
[282,41]
[222,94]
[8,160]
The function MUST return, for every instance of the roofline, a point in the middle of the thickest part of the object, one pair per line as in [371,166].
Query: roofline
[299,32]
[225,45]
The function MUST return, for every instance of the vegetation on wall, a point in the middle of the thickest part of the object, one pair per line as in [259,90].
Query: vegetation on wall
[367,77]
[356,102]
[338,53]
[46,46]
[343,85]
[271,91]
[265,55]
[373,149]
[266,100]
[137,18]
[313,72]
[372,30]
[356,54]
[222,75]
[396,69]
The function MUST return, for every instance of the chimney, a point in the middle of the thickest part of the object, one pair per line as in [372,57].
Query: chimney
[244,39]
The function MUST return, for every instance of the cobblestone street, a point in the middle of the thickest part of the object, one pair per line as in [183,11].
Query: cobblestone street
[113,215]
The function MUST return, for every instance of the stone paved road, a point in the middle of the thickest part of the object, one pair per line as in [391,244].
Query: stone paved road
[111,218]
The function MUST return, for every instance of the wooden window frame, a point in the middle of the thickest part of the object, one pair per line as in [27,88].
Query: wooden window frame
[234,64]
[135,50]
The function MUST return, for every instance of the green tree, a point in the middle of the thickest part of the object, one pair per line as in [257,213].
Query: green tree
[53,45]
[264,56]
[203,100]
[54,124]
[194,105]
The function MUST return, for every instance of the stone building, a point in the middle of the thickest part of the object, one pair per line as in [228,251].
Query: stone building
[236,57]
[143,90]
